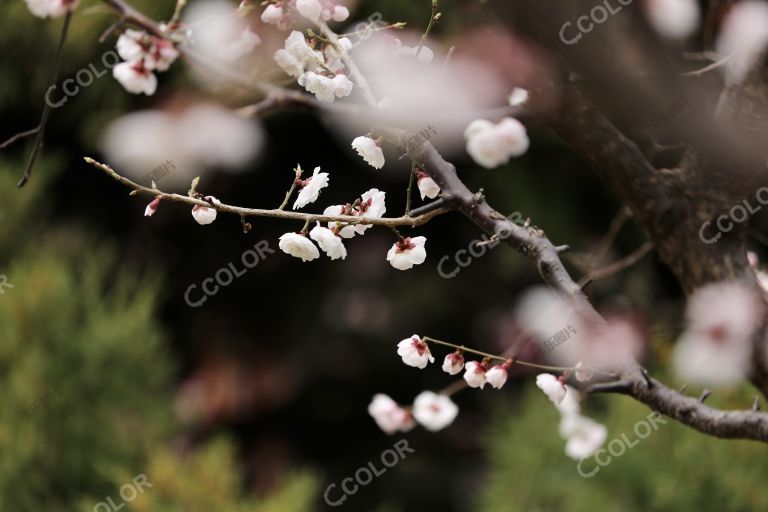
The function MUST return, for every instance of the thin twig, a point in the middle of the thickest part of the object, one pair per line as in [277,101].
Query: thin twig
[47,107]
[18,136]
[617,266]
[277,214]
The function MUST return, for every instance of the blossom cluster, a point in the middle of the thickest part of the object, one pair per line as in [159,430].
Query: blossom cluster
[143,54]
[431,410]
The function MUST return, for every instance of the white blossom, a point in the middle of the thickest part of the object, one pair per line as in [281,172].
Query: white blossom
[716,347]
[474,374]
[518,97]
[551,386]
[570,403]
[297,56]
[675,19]
[744,35]
[581,373]
[135,78]
[427,187]
[299,246]
[241,46]
[491,145]
[329,242]
[311,188]
[319,85]
[415,352]
[203,214]
[52,8]
[344,230]
[497,376]
[310,9]
[272,15]
[340,13]
[453,363]
[584,436]
[342,86]
[434,412]
[367,148]
[389,416]
[407,252]
[372,206]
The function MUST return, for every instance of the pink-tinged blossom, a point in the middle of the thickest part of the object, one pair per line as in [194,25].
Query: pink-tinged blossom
[427,186]
[434,412]
[51,8]
[474,374]
[310,188]
[497,376]
[329,242]
[674,19]
[298,246]
[406,253]
[367,148]
[551,386]
[491,145]
[152,207]
[203,214]
[415,352]
[155,53]
[716,347]
[389,416]
[135,77]
[453,363]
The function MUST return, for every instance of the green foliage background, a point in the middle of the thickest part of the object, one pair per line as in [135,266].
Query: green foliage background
[86,379]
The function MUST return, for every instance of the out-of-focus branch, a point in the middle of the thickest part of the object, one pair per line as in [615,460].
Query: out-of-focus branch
[411,221]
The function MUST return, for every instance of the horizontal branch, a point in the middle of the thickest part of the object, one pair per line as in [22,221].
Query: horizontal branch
[744,424]
[406,220]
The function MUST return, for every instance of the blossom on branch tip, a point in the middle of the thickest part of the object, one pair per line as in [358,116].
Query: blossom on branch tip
[311,187]
[434,412]
[203,214]
[340,13]
[329,242]
[135,77]
[389,416]
[491,145]
[342,86]
[453,363]
[152,207]
[298,246]
[367,148]
[474,374]
[415,352]
[551,386]
[52,8]
[407,252]
[427,186]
